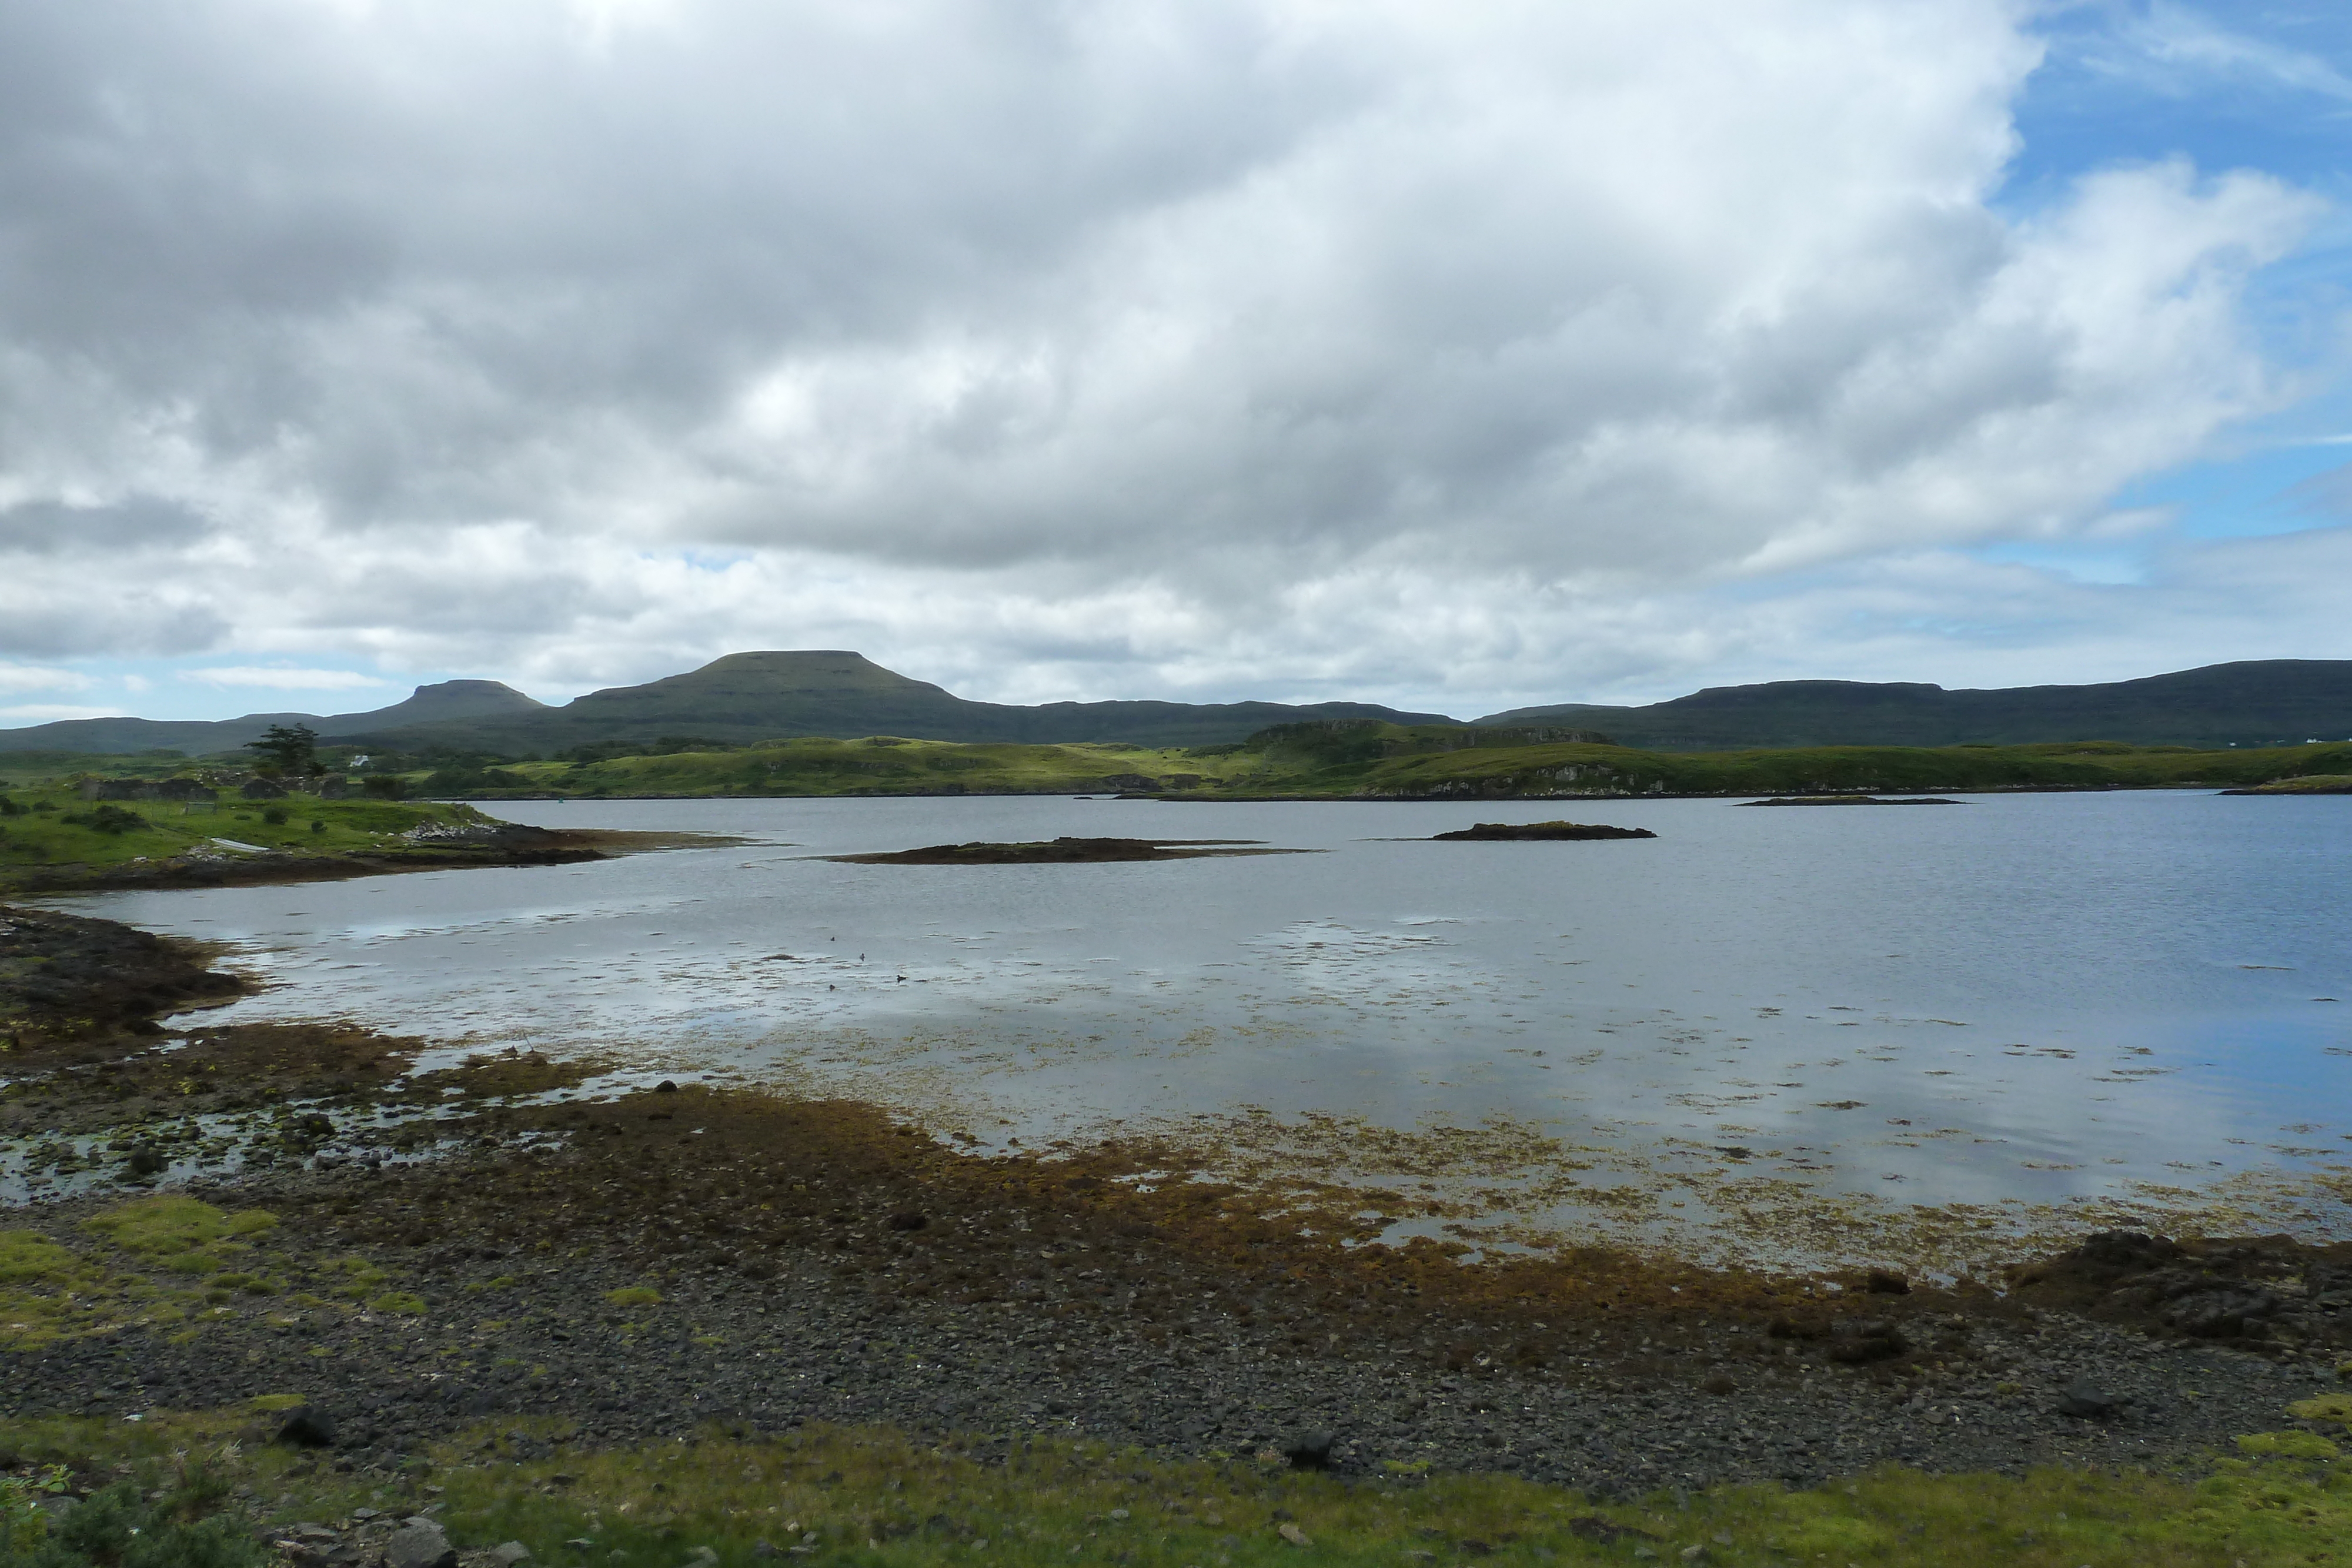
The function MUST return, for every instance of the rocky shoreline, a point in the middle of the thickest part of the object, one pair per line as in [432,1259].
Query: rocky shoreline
[805,1345]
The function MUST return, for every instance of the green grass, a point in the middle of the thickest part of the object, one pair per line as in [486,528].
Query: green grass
[876,1498]
[49,825]
[1360,760]
[1383,760]
[880,764]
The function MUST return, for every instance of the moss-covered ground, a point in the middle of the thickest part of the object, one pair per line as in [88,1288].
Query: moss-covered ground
[872,1496]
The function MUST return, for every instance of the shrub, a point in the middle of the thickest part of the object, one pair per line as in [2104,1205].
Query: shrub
[274,815]
[108,818]
[115,1526]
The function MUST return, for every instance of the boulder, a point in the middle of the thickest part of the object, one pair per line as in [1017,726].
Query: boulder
[2086,1401]
[419,1543]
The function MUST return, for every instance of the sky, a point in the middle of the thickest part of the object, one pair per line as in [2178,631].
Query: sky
[1458,356]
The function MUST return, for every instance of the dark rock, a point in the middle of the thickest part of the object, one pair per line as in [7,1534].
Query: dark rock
[1310,1451]
[307,1426]
[262,790]
[2225,1314]
[2126,1250]
[2086,1401]
[1719,1383]
[911,1219]
[1858,1342]
[665,1087]
[146,1163]
[1886,1282]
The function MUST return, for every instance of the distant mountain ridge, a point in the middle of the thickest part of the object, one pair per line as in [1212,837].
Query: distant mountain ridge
[440,703]
[764,696]
[745,697]
[740,698]
[2261,701]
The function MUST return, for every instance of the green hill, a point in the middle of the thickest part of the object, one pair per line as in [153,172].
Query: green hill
[747,697]
[442,703]
[2269,702]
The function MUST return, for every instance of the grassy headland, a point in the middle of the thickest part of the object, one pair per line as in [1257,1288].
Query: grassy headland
[54,838]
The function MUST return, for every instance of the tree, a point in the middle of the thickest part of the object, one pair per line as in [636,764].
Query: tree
[293,753]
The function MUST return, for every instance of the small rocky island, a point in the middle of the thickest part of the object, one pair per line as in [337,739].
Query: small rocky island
[1066,851]
[1851,800]
[1512,831]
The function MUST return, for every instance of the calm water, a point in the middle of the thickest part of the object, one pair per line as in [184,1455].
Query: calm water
[2025,998]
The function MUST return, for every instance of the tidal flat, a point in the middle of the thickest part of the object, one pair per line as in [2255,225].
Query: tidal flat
[1786,1038]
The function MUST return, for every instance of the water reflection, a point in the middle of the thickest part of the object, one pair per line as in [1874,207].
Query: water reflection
[2030,998]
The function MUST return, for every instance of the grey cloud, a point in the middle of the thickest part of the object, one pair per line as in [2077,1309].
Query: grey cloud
[135,523]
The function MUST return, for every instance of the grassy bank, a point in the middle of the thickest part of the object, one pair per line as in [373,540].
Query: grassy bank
[55,839]
[1349,759]
[1386,761]
[872,1496]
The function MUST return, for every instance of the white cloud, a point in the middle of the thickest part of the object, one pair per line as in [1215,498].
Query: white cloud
[1212,347]
[2178,43]
[41,678]
[279,678]
[42,713]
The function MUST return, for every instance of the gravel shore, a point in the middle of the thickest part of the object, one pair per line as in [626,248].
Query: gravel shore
[511,1335]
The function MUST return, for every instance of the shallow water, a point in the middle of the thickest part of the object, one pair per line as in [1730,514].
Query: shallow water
[2027,1000]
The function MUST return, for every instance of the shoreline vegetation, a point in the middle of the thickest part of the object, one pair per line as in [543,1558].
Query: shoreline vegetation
[1335,759]
[71,823]
[678,1323]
